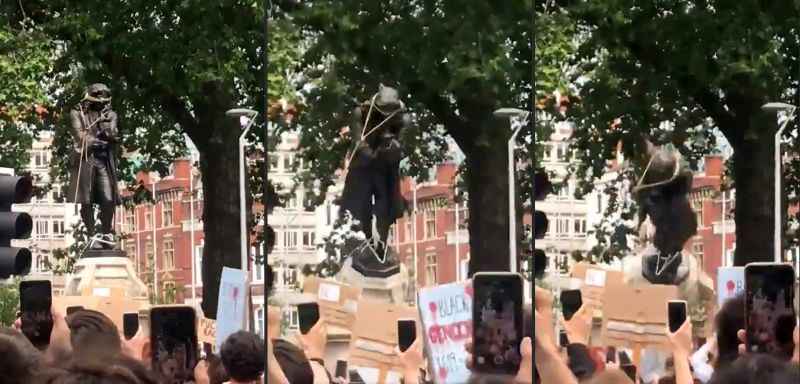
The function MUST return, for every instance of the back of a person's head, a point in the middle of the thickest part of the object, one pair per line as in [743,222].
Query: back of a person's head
[216,371]
[81,370]
[19,359]
[730,319]
[757,369]
[610,376]
[93,332]
[242,354]
[293,362]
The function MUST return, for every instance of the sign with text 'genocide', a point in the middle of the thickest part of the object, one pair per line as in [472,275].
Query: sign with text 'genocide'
[730,282]
[446,313]
[232,303]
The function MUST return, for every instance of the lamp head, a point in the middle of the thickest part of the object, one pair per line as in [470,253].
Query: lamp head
[510,112]
[777,107]
[241,112]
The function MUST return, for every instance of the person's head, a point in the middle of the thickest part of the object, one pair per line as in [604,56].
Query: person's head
[216,371]
[19,358]
[92,331]
[242,354]
[757,369]
[82,370]
[610,376]
[730,319]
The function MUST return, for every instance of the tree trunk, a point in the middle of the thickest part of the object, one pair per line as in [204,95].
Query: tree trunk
[219,164]
[753,168]
[487,165]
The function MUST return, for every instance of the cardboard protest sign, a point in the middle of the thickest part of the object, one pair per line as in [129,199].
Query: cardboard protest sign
[446,313]
[207,331]
[595,279]
[232,303]
[338,303]
[374,339]
[636,315]
[730,282]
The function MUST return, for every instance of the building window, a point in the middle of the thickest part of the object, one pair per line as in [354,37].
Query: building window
[148,219]
[548,152]
[430,269]
[258,273]
[288,160]
[274,160]
[291,315]
[259,325]
[430,224]
[561,152]
[579,226]
[167,212]
[290,240]
[409,230]
[599,203]
[130,220]
[58,228]
[168,253]
[697,249]
[42,227]
[148,255]
[308,240]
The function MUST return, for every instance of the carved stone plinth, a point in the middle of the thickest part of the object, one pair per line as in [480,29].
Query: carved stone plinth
[102,271]
[387,289]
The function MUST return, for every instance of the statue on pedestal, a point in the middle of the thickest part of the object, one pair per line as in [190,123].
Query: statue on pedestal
[93,172]
[372,183]
[667,224]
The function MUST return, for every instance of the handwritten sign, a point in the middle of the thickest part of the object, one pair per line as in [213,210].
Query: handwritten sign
[329,292]
[730,282]
[232,303]
[446,313]
[596,277]
[207,331]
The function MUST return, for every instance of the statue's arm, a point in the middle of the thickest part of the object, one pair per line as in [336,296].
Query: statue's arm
[111,127]
[76,128]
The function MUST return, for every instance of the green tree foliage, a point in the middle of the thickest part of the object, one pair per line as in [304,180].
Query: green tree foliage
[174,67]
[696,65]
[453,63]
[9,303]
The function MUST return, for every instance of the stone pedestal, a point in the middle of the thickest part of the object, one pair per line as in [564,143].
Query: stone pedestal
[105,270]
[389,289]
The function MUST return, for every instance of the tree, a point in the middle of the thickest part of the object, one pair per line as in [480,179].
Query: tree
[674,70]
[9,303]
[453,65]
[175,68]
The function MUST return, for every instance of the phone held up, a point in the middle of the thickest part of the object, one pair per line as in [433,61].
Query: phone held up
[676,312]
[173,339]
[36,299]
[571,302]
[406,333]
[497,322]
[769,308]
[307,316]
[130,324]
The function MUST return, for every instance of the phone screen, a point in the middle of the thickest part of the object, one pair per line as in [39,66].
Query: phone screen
[570,302]
[406,334]
[611,355]
[497,322]
[563,340]
[35,303]
[341,369]
[173,339]
[307,316]
[676,311]
[130,325]
[769,308]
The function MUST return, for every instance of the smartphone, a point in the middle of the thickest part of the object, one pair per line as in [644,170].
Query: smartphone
[624,359]
[676,312]
[629,370]
[74,308]
[571,302]
[563,340]
[406,333]
[769,308]
[307,316]
[341,369]
[173,339]
[130,324]
[36,300]
[497,322]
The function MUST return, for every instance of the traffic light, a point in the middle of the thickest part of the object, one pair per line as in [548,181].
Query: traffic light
[541,188]
[14,225]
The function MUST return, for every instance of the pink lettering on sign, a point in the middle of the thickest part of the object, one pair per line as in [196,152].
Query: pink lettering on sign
[730,285]
[456,332]
[432,307]
[443,373]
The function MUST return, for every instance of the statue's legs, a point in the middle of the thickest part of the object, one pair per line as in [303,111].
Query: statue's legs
[103,195]
[87,215]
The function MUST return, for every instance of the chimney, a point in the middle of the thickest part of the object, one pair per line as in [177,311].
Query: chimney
[714,165]
[181,168]
[446,173]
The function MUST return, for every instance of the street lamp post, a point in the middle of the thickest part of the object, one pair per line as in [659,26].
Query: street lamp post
[251,115]
[791,109]
[512,214]
[192,151]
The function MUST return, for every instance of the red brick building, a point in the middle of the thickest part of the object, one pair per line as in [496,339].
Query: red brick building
[437,237]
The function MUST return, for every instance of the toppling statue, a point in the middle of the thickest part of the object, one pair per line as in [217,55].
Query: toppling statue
[667,224]
[93,172]
[372,184]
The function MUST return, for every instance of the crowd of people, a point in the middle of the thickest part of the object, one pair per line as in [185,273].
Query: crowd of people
[722,359]
[86,347]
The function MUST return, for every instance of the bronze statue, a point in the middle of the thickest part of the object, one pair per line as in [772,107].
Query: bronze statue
[372,183]
[93,174]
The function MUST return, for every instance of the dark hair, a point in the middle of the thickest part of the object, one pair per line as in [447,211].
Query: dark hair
[293,362]
[216,371]
[19,358]
[730,319]
[92,331]
[757,368]
[242,354]
[81,370]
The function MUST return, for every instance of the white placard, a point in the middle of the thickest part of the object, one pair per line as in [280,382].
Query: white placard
[730,282]
[104,292]
[446,313]
[369,375]
[595,277]
[232,303]
[329,292]
[393,377]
